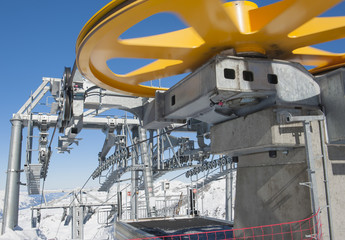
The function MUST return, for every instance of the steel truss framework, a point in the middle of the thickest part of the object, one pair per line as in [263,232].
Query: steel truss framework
[77,105]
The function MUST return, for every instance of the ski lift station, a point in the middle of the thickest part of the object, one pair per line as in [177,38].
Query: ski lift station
[248,109]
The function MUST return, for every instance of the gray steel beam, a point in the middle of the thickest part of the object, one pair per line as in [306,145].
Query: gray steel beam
[228,192]
[88,122]
[29,102]
[11,203]
[95,112]
[109,142]
[97,97]
[134,180]
[158,150]
[29,139]
[119,204]
[134,195]
[78,222]
[37,99]
[147,169]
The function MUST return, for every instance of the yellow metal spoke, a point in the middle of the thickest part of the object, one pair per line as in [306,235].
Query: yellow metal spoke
[283,17]
[185,38]
[323,60]
[318,30]
[209,19]
[115,49]
[276,31]
[155,67]
[105,78]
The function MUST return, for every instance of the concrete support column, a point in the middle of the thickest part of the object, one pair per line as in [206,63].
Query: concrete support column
[11,203]
[147,170]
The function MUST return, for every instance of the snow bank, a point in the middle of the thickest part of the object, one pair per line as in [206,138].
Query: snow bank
[31,234]
[210,202]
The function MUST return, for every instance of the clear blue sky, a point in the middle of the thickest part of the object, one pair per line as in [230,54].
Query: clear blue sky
[38,40]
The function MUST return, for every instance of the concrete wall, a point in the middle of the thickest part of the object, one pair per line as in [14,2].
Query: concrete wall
[255,133]
[334,168]
[268,189]
[332,99]
[336,174]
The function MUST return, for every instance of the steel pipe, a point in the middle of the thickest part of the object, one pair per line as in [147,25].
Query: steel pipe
[11,203]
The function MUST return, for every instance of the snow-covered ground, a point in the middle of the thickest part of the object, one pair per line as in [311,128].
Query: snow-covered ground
[51,226]
[210,202]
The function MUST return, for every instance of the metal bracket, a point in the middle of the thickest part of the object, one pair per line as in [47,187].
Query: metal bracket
[306,184]
[289,118]
[311,236]
[309,152]
[13,170]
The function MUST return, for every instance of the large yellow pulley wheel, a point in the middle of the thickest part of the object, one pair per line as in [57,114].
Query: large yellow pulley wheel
[282,30]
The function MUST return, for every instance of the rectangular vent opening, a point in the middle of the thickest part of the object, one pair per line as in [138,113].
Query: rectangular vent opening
[173,100]
[229,73]
[248,76]
[272,78]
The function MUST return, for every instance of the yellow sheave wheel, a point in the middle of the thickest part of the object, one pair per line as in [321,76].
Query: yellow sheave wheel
[282,30]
